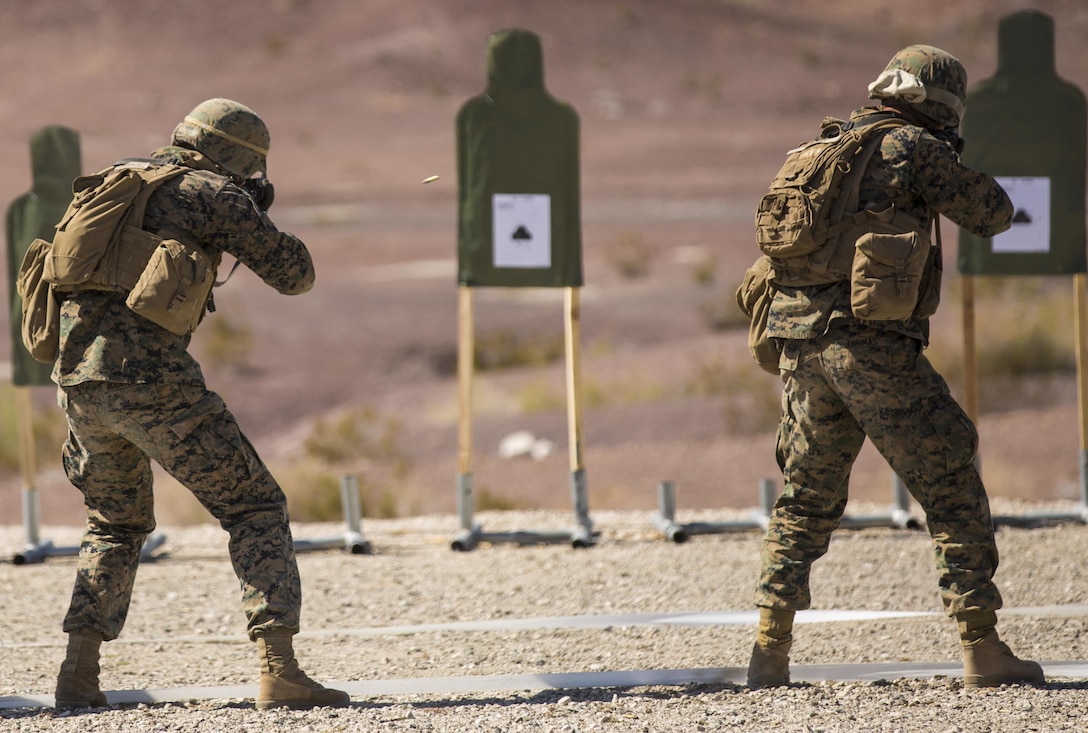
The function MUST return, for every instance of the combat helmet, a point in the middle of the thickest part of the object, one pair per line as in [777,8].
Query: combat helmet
[228,133]
[929,81]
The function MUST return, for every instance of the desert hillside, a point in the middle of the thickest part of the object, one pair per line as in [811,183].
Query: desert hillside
[686,108]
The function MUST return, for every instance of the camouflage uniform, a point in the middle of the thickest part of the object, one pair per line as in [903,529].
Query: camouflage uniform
[845,379]
[133,394]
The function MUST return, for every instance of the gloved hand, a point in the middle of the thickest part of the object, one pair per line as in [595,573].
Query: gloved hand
[261,189]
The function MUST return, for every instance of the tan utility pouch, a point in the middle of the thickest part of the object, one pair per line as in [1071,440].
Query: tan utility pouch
[890,260]
[41,312]
[174,286]
[754,297]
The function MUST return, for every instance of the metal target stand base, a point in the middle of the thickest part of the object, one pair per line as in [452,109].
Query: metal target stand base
[472,534]
[897,517]
[37,551]
[665,517]
[352,538]
[582,536]
[664,520]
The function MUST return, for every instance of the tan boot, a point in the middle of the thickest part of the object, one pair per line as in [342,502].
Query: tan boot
[988,661]
[770,662]
[77,683]
[283,684]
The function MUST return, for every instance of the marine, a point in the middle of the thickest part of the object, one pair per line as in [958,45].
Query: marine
[134,394]
[847,377]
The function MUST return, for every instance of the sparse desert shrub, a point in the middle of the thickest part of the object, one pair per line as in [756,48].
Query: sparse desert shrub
[226,341]
[49,427]
[319,501]
[540,396]
[484,500]
[1024,330]
[624,390]
[710,377]
[360,434]
[630,255]
[360,442]
[720,311]
[508,349]
[704,272]
[751,397]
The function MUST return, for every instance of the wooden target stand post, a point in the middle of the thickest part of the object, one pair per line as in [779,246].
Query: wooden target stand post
[970,367]
[472,534]
[1044,175]
[519,225]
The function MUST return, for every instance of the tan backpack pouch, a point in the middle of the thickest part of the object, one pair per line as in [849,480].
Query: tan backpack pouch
[174,286]
[754,298]
[889,262]
[784,222]
[40,326]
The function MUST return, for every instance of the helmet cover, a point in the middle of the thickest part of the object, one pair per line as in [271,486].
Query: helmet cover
[230,134]
[930,81]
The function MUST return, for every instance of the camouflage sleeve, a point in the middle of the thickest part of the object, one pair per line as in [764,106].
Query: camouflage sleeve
[206,208]
[971,199]
[244,231]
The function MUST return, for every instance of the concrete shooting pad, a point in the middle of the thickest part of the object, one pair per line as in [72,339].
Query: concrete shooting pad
[363,689]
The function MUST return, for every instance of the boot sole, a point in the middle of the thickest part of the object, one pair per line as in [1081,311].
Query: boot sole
[300,704]
[978,683]
[76,705]
[759,683]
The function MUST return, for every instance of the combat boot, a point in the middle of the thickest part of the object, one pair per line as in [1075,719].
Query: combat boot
[988,661]
[770,662]
[283,684]
[77,683]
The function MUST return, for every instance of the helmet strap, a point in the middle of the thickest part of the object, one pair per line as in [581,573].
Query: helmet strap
[226,136]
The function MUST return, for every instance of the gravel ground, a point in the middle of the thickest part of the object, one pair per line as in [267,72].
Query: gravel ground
[185,629]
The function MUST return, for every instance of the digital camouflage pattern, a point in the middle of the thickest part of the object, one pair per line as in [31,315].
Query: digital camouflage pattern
[133,394]
[922,174]
[856,381]
[228,133]
[937,70]
[103,340]
[116,430]
[845,379]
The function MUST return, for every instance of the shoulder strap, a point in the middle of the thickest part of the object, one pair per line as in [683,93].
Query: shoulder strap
[128,255]
[154,174]
[847,199]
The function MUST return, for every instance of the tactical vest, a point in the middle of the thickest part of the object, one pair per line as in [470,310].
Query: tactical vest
[100,244]
[809,226]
